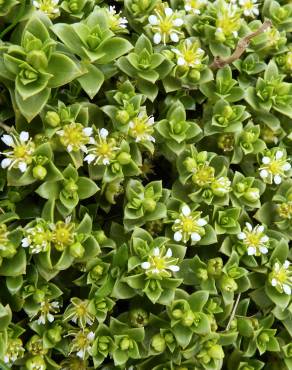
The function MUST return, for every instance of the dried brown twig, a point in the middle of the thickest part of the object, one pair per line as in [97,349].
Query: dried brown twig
[243,43]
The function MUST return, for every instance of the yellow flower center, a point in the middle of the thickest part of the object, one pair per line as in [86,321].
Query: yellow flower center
[165,26]
[158,263]
[275,167]
[104,149]
[188,224]
[253,239]
[204,175]
[81,310]
[285,210]
[20,151]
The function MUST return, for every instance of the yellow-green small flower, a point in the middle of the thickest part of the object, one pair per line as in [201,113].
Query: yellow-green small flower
[194,6]
[116,22]
[22,151]
[159,263]
[63,234]
[165,24]
[274,167]
[254,239]
[37,238]
[75,136]
[141,127]
[189,225]
[82,343]
[281,277]
[14,350]
[104,149]
[49,7]
[189,54]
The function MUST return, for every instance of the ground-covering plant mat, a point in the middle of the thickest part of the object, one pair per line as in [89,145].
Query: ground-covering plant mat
[146,185]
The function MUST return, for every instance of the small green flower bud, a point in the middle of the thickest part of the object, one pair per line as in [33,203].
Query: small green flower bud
[52,119]
[100,236]
[39,296]
[214,266]
[188,319]
[177,314]
[124,158]
[37,59]
[77,250]
[227,111]
[216,352]
[177,128]
[39,172]
[181,71]
[194,75]
[158,343]
[54,334]
[125,344]
[190,164]
[241,187]
[252,194]
[228,284]
[122,117]
[97,272]
[35,362]
[169,338]
[115,167]
[149,205]
[71,187]
[202,274]
[226,142]
[264,338]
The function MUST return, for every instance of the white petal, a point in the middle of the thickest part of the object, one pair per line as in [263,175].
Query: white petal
[173,268]
[277,179]
[241,236]
[286,264]
[181,61]
[156,252]
[248,226]
[251,251]
[106,161]
[6,359]
[90,335]
[274,282]
[188,8]
[6,162]
[186,211]
[266,160]
[22,166]
[41,320]
[80,353]
[264,250]
[201,222]
[88,131]
[24,136]
[89,158]
[103,133]
[36,4]
[157,38]
[261,228]
[168,11]
[7,139]
[25,242]
[286,167]
[50,317]
[177,236]
[264,239]
[174,37]
[195,237]
[151,120]
[276,266]
[287,289]
[178,22]
[153,20]
[256,11]
[69,148]
[145,265]
[279,154]
[168,253]
[60,133]
[264,174]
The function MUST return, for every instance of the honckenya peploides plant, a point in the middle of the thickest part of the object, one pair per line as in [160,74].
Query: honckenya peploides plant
[145,184]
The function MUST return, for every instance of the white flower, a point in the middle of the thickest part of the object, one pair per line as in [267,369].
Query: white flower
[49,7]
[189,54]
[21,155]
[250,8]
[37,238]
[82,342]
[254,239]
[141,127]
[74,136]
[47,310]
[116,22]
[281,277]
[189,225]
[159,263]
[274,166]
[103,150]
[165,25]
[194,6]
